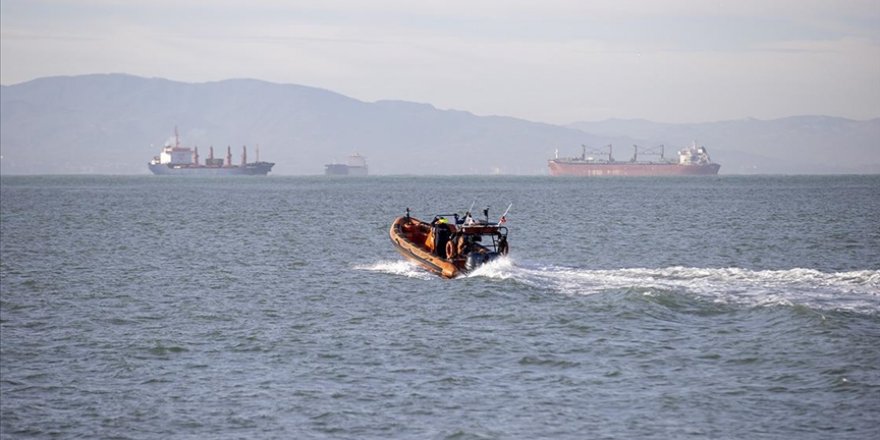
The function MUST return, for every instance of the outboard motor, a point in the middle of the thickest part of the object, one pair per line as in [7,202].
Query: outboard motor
[477,259]
[474,260]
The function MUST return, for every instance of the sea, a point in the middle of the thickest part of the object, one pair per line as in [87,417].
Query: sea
[162,307]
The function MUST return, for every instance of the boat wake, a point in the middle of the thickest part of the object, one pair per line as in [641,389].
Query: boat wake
[856,291]
[397,267]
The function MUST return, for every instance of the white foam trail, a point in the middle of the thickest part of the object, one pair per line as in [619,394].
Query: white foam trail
[855,291]
[501,268]
[397,267]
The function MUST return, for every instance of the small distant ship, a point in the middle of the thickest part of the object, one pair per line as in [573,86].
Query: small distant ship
[356,165]
[184,161]
[692,161]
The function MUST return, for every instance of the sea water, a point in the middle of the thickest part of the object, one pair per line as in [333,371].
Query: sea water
[151,307]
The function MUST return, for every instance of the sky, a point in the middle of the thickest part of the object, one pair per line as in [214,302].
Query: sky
[551,61]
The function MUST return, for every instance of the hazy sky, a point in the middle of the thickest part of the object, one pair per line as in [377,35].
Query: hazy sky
[549,60]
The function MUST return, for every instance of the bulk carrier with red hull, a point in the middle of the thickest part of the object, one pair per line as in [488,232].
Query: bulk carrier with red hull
[176,160]
[692,161]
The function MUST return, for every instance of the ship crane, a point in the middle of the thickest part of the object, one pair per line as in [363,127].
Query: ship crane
[597,153]
[656,151]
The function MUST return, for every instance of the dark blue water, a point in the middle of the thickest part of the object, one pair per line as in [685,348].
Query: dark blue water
[720,307]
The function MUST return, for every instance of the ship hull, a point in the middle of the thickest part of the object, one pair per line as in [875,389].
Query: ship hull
[565,168]
[251,169]
[338,169]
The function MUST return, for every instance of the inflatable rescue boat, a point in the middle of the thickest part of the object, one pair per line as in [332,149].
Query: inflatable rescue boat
[449,248]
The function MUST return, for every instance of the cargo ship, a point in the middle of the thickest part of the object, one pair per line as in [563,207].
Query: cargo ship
[184,161]
[356,165]
[692,161]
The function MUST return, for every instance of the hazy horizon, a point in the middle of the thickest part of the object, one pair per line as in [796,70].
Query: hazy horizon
[609,119]
[558,62]
[112,123]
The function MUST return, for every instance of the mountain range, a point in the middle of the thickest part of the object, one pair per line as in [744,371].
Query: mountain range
[115,123]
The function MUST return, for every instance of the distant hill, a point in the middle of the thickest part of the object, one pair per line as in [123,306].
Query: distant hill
[114,124]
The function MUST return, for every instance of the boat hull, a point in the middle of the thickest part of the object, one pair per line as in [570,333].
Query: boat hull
[571,168]
[441,266]
[251,169]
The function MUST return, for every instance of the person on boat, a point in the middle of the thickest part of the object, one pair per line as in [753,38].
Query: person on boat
[438,236]
[467,220]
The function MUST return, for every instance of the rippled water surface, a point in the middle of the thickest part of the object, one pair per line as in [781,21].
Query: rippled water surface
[160,307]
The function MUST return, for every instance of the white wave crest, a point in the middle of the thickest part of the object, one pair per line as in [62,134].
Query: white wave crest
[397,267]
[855,291]
[501,268]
